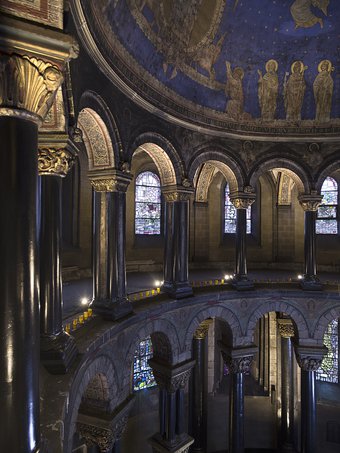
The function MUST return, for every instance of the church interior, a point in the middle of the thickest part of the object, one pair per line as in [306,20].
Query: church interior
[170,238]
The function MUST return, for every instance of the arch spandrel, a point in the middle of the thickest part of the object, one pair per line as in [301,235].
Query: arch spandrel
[97,140]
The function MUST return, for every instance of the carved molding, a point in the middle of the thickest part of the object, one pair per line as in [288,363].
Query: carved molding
[202,330]
[27,85]
[310,202]
[55,161]
[286,328]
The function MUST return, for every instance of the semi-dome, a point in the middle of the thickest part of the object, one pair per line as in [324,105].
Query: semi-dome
[235,66]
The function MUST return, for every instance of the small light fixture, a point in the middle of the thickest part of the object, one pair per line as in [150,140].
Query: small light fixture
[300,277]
[226,277]
[157,283]
[84,301]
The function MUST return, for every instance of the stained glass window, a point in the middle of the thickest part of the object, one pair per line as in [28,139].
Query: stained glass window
[142,373]
[329,370]
[327,222]
[230,214]
[148,204]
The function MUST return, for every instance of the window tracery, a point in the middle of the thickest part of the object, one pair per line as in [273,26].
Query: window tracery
[142,373]
[327,215]
[329,370]
[230,214]
[148,204]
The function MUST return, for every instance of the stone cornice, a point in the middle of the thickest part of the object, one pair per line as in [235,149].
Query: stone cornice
[109,180]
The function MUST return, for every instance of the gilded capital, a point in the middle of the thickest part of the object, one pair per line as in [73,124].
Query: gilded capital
[27,86]
[310,202]
[55,161]
[202,330]
[109,180]
[177,193]
[242,200]
[286,328]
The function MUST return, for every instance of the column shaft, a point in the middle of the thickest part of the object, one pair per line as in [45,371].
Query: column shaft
[287,394]
[310,244]
[236,416]
[199,396]
[162,412]
[101,203]
[180,416]
[19,321]
[241,236]
[171,417]
[308,412]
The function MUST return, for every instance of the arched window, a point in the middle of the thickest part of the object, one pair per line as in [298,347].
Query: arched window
[148,204]
[327,216]
[230,214]
[329,370]
[142,373]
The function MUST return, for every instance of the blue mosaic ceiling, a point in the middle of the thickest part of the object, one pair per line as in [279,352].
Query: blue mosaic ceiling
[260,63]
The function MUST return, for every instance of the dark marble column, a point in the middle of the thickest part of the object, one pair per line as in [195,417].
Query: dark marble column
[28,90]
[239,361]
[286,330]
[241,201]
[109,225]
[199,388]
[309,360]
[57,348]
[171,381]
[176,282]
[310,204]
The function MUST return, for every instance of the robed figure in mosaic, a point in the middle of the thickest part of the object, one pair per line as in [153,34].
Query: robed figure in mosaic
[234,91]
[294,91]
[323,91]
[268,88]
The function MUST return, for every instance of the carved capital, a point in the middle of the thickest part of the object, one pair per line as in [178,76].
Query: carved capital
[286,328]
[177,193]
[171,378]
[96,435]
[242,200]
[109,180]
[310,358]
[310,202]
[27,86]
[241,364]
[202,330]
[239,360]
[55,161]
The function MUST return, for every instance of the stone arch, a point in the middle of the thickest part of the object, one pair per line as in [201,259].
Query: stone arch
[327,316]
[164,155]
[288,166]
[165,342]
[216,311]
[225,164]
[95,376]
[277,305]
[327,170]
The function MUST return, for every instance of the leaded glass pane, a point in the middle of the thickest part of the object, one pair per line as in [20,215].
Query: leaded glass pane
[142,373]
[329,370]
[230,214]
[327,213]
[148,204]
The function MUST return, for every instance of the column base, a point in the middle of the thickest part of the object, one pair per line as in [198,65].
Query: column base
[242,283]
[57,352]
[112,310]
[178,290]
[311,283]
[181,444]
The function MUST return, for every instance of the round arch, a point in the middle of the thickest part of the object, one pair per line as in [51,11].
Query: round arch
[328,170]
[327,316]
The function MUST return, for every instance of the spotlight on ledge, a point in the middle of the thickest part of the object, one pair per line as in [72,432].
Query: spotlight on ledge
[84,301]
[227,277]
[300,277]
[158,283]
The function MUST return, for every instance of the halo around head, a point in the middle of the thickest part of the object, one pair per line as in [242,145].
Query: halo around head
[302,66]
[329,65]
[275,63]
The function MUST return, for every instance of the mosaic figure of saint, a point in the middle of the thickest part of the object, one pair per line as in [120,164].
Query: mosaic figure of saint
[234,91]
[303,15]
[268,88]
[323,91]
[294,91]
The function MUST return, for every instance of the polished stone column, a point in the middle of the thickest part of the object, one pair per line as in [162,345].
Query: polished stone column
[309,360]
[176,282]
[241,201]
[239,362]
[286,330]
[103,429]
[57,348]
[27,92]
[310,204]
[171,381]
[199,388]
[109,224]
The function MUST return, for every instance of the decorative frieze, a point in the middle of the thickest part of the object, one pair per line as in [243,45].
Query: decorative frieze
[27,86]
[310,202]
[55,161]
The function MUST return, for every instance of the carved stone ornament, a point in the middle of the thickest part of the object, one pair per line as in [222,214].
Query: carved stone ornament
[310,202]
[286,328]
[241,364]
[310,358]
[55,161]
[243,200]
[202,330]
[177,196]
[238,360]
[95,435]
[27,86]
[109,185]
[171,378]
[309,363]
